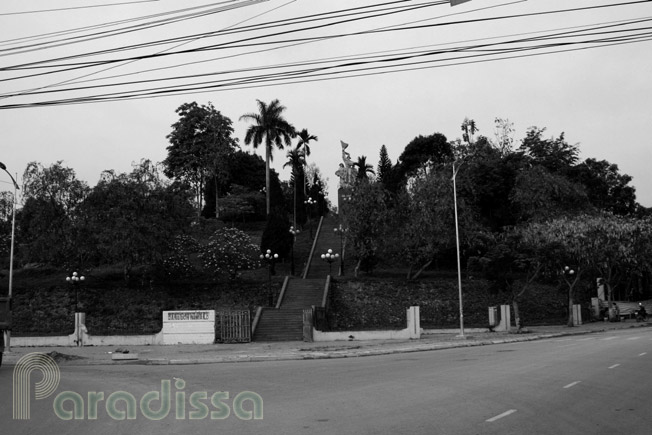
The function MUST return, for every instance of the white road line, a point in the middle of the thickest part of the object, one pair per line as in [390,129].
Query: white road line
[572,384]
[614,366]
[609,338]
[641,354]
[585,339]
[564,339]
[504,414]
[634,338]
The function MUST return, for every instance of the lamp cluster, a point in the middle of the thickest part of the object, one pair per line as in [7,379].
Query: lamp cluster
[75,278]
[268,256]
[329,256]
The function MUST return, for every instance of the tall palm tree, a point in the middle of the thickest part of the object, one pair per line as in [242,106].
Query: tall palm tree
[270,126]
[364,168]
[304,139]
[296,160]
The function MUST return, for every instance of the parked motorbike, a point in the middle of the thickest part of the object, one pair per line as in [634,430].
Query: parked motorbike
[641,314]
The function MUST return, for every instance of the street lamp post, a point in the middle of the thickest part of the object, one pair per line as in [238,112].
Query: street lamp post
[75,279]
[13,229]
[294,232]
[329,257]
[341,231]
[269,258]
[309,203]
[457,244]
[11,252]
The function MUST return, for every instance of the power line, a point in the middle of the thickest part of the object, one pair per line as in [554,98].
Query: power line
[77,7]
[406,59]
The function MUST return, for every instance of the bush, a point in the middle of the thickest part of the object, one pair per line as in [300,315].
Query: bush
[276,236]
[229,251]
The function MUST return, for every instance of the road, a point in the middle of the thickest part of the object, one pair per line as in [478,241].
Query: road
[588,384]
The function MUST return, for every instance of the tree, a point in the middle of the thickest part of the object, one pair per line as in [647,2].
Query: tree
[512,264]
[269,126]
[568,242]
[304,140]
[468,130]
[200,146]
[540,195]
[51,197]
[384,166]
[364,168]
[555,154]
[617,247]
[296,160]
[424,220]
[276,236]
[606,187]
[433,149]
[128,219]
[366,218]
[56,184]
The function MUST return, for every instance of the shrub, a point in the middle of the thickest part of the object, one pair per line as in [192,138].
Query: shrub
[229,251]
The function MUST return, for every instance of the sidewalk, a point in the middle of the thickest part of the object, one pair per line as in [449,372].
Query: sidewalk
[296,350]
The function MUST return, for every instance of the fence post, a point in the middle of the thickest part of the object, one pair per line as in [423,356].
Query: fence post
[307,325]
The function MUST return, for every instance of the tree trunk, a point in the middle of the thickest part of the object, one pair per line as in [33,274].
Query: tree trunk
[357,267]
[267,177]
[517,315]
[217,204]
[416,275]
[295,201]
[570,308]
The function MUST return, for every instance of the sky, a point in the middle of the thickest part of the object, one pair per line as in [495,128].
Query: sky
[375,75]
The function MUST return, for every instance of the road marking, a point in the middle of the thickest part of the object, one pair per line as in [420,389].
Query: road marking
[564,339]
[504,414]
[572,384]
[633,338]
[609,338]
[614,366]
[641,354]
[585,339]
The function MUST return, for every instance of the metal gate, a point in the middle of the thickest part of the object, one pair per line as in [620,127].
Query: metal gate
[235,326]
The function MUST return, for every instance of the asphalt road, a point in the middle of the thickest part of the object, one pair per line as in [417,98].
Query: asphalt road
[597,384]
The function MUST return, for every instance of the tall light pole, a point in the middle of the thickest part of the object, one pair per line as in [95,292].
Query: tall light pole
[75,279]
[269,258]
[457,244]
[341,231]
[294,231]
[329,257]
[11,254]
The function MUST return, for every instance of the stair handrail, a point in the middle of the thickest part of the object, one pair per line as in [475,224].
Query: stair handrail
[282,295]
[259,312]
[312,250]
[327,288]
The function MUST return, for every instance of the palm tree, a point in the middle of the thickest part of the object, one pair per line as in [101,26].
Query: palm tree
[304,139]
[364,168]
[270,126]
[296,160]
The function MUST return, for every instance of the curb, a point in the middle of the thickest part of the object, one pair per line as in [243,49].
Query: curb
[299,355]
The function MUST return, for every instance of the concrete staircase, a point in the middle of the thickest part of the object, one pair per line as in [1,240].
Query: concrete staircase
[280,325]
[286,323]
[327,239]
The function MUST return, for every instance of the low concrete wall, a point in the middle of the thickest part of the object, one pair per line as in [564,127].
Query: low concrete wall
[179,327]
[413,331]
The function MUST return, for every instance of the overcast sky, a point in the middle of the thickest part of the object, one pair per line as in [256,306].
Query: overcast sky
[425,79]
